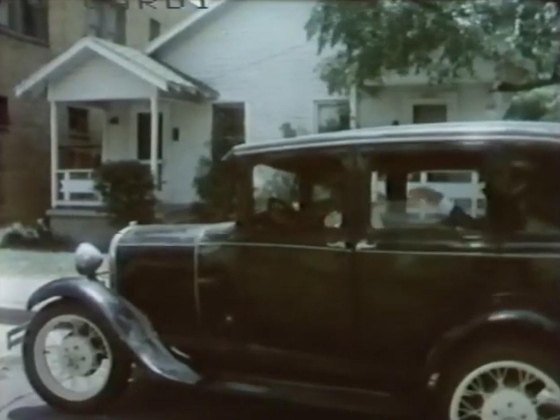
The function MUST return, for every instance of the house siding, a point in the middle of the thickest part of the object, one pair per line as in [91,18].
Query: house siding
[24,146]
[258,53]
[87,77]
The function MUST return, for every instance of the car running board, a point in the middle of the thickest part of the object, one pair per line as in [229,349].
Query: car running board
[320,396]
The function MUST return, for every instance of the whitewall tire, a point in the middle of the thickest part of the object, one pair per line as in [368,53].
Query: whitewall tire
[502,381]
[72,360]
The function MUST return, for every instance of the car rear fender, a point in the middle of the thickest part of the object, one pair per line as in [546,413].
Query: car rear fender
[525,324]
[124,320]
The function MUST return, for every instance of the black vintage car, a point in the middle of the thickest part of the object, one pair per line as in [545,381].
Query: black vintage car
[395,269]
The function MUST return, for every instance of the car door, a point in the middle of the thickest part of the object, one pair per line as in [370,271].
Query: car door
[286,305]
[418,276]
[414,286]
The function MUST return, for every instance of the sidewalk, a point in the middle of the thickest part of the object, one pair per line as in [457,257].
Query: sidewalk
[23,272]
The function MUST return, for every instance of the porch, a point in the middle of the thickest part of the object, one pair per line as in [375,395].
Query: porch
[108,103]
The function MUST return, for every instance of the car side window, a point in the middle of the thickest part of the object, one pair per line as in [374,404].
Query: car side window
[414,197]
[305,195]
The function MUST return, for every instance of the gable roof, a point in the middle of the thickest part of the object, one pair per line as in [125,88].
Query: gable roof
[182,26]
[135,62]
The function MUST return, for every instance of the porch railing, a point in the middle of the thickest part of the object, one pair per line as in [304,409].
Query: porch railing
[76,188]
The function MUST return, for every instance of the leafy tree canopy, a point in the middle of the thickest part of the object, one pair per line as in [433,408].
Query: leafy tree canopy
[537,104]
[367,39]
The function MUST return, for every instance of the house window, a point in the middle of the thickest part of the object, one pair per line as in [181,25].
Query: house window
[155,29]
[107,20]
[4,114]
[422,114]
[27,17]
[78,121]
[228,127]
[333,115]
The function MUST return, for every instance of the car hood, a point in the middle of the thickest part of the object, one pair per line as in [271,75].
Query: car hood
[172,235]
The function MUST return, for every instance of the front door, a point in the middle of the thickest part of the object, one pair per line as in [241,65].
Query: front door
[287,296]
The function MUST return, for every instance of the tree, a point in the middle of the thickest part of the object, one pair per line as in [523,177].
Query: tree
[369,39]
[536,104]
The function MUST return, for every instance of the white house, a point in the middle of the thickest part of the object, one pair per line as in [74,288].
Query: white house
[246,60]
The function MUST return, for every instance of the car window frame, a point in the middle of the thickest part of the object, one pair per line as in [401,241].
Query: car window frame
[409,233]
[245,191]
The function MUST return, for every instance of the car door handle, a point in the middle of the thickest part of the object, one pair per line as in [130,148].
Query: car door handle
[364,246]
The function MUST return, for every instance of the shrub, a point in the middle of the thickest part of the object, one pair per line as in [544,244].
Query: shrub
[215,185]
[35,237]
[127,188]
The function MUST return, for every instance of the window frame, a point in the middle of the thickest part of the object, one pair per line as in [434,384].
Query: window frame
[245,192]
[331,101]
[16,25]
[76,132]
[399,152]
[213,136]
[107,20]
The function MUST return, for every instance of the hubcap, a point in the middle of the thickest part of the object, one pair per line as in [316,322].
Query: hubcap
[78,355]
[506,390]
[72,358]
[509,404]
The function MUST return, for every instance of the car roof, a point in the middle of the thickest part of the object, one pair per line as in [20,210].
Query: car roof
[425,133]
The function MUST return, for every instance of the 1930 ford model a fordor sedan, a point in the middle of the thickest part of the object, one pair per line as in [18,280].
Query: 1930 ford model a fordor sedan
[367,268]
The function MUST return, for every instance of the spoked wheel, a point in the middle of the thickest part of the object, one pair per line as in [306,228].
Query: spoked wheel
[518,384]
[70,360]
[506,390]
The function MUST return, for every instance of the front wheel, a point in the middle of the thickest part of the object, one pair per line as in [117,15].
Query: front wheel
[502,381]
[72,361]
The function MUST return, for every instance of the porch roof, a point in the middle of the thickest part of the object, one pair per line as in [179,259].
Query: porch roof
[134,62]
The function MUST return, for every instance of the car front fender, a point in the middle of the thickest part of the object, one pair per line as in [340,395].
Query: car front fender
[492,326]
[124,320]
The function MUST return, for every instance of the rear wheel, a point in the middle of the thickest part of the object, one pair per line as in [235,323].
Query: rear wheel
[72,361]
[502,381]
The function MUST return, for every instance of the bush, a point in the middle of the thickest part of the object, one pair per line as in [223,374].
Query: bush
[215,185]
[127,188]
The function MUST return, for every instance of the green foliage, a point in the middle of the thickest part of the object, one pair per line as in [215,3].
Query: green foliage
[127,188]
[537,104]
[366,40]
[215,185]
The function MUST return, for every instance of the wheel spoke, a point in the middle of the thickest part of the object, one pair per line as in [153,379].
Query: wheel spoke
[499,376]
[526,378]
[468,408]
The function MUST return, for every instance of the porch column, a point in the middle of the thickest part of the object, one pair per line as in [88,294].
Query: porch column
[154,128]
[354,123]
[54,153]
